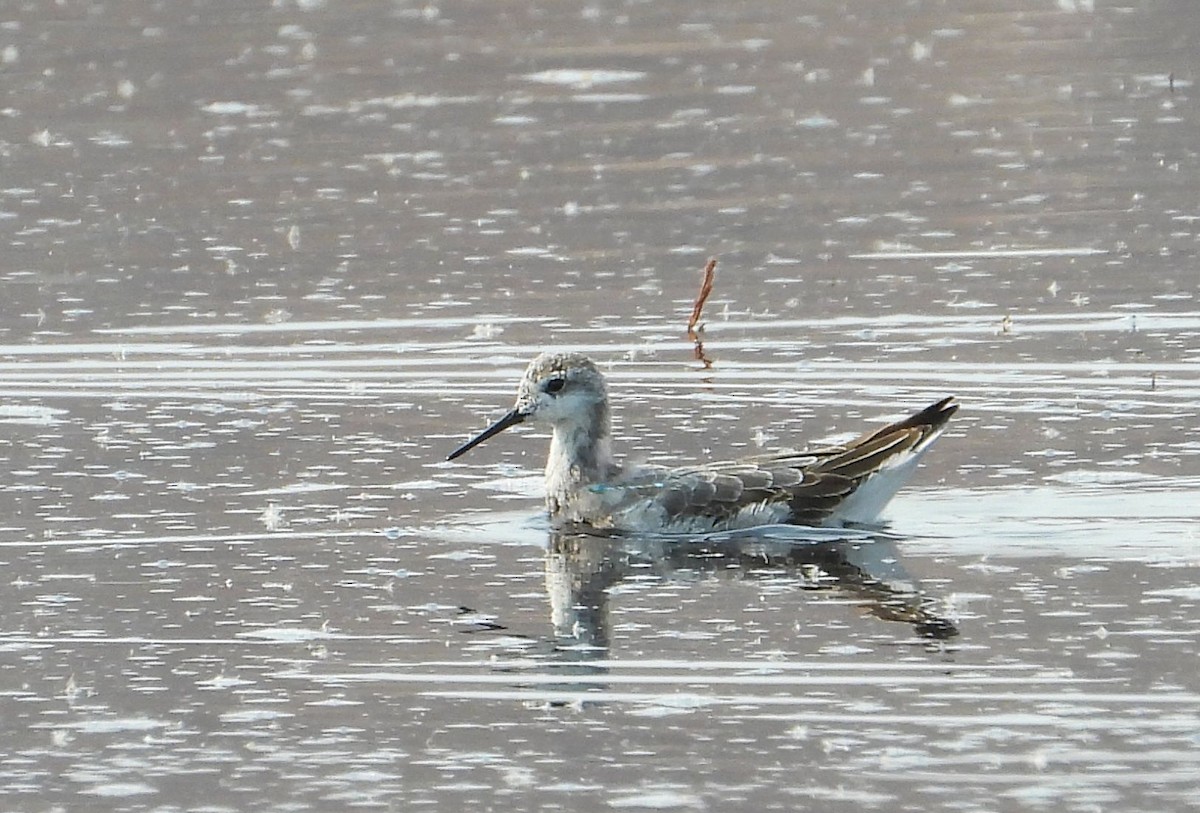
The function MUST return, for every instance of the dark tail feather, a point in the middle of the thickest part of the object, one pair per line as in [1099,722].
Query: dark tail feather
[862,458]
[928,421]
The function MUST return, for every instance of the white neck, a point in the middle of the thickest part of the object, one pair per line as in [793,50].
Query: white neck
[580,456]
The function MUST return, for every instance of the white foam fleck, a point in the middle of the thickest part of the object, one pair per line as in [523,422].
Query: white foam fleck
[287,634]
[115,725]
[234,108]
[989,254]
[119,790]
[614,98]
[816,121]
[32,414]
[665,799]
[583,79]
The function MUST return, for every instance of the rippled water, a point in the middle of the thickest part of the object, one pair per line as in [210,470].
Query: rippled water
[267,265]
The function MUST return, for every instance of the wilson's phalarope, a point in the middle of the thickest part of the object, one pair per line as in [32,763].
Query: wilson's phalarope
[830,485]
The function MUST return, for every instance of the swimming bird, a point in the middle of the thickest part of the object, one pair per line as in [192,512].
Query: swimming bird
[831,485]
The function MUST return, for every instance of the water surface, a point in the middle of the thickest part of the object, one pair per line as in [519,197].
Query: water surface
[266,266]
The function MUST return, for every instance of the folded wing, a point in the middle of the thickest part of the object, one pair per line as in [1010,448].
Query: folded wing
[799,487]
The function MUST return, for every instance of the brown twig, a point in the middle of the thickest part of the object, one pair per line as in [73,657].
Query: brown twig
[694,328]
[710,273]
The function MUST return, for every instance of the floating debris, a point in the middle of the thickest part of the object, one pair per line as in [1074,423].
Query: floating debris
[272,517]
[694,328]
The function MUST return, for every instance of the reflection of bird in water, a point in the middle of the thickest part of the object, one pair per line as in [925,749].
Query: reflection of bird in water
[829,485]
[581,569]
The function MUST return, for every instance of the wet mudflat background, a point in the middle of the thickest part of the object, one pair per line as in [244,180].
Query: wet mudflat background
[265,265]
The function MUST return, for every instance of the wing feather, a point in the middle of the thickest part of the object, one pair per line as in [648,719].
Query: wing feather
[811,484]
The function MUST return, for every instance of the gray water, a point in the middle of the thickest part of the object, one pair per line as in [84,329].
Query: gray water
[266,264]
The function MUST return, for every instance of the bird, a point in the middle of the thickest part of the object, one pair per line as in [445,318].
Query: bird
[832,485]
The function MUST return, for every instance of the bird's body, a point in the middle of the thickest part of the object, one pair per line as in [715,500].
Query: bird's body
[829,485]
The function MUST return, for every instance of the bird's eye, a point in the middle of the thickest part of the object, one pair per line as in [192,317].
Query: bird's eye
[555,385]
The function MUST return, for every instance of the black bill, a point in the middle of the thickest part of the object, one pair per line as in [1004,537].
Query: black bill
[511,419]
